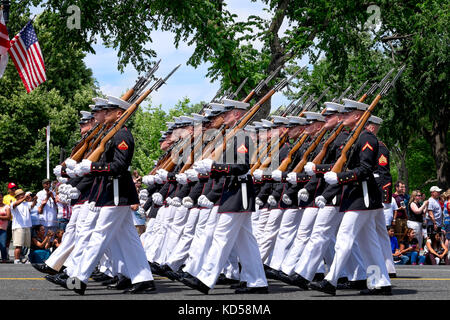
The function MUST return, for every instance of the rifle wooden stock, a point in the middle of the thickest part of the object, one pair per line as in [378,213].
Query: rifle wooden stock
[268,160]
[78,156]
[299,167]
[339,165]
[96,154]
[287,161]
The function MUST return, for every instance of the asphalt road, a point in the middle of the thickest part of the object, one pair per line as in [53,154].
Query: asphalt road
[23,282]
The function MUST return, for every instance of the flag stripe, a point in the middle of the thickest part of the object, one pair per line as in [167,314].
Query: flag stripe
[4,42]
[24,61]
[18,65]
[36,63]
[32,67]
[3,28]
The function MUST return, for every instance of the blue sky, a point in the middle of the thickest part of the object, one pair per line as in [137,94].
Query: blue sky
[187,81]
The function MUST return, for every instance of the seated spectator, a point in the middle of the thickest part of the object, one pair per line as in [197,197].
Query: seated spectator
[40,244]
[447,216]
[21,224]
[58,238]
[410,248]
[5,217]
[396,255]
[417,211]
[435,249]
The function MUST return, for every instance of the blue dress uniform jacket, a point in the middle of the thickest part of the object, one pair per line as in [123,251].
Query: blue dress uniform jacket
[361,166]
[226,188]
[114,164]
[383,173]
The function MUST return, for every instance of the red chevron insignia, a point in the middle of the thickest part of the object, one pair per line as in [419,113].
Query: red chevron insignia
[242,149]
[122,145]
[382,161]
[367,145]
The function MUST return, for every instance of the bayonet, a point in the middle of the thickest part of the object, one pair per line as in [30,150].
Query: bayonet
[234,95]
[342,95]
[265,82]
[161,81]
[283,83]
[376,86]
[391,84]
[357,93]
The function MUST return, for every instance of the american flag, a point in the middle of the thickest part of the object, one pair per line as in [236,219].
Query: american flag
[4,44]
[27,57]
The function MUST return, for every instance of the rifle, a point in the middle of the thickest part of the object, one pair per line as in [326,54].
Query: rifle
[320,156]
[339,164]
[91,139]
[95,155]
[261,84]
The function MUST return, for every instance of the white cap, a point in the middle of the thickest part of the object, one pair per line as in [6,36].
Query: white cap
[354,105]
[375,120]
[217,107]
[186,120]
[235,103]
[100,101]
[119,103]
[296,120]
[266,123]
[333,107]
[170,125]
[313,116]
[250,128]
[258,124]
[86,115]
[435,188]
[277,120]
[198,117]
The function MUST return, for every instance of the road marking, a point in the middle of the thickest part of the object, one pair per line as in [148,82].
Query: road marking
[423,279]
[156,278]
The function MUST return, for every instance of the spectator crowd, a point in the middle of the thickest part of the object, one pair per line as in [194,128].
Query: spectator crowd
[34,223]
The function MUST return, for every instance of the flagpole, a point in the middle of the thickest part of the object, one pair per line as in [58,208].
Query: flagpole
[48,150]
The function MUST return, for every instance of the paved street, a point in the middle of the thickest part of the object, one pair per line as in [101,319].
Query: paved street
[22,282]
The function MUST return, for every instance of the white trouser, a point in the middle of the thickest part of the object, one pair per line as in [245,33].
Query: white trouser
[359,225]
[388,213]
[262,220]
[181,251]
[255,218]
[115,222]
[288,228]
[175,231]
[231,269]
[85,225]
[417,227]
[270,233]
[322,236]
[164,235]
[300,241]
[153,243]
[60,255]
[233,228]
[202,243]
[384,241]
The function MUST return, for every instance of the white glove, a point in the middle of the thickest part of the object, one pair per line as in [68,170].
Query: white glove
[292,178]
[57,170]
[320,202]
[70,163]
[257,174]
[83,167]
[142,202]
[74,193]
[63,198]
[176,202]
[203,166]
[259,202]
[141,213]
[303,194]
[277,175]
[157,198]
[181,178]
[148,180]
[62,180]
[285,198]
[309,168]
[192,175]
[271,201]
[330,177]
[169,201]
[62,188]
[71,173]
[162,174]
[158,179]
[143,194]
[204,202]
[188,202]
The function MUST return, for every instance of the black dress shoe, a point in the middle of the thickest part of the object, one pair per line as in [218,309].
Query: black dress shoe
[323,286]
[156,269]
[342,280]
[392,275]
[272,274]
[318,277]
[184,275]
[224,280]
[42,267]
[76,285]
[168,272]
[196,284]
[285,278]
[123,283]
[384,291]
[252,290]
[59,279]
[100,277]
[352,285]
[299,281]
[241,284]
[141,287]
[110,281]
